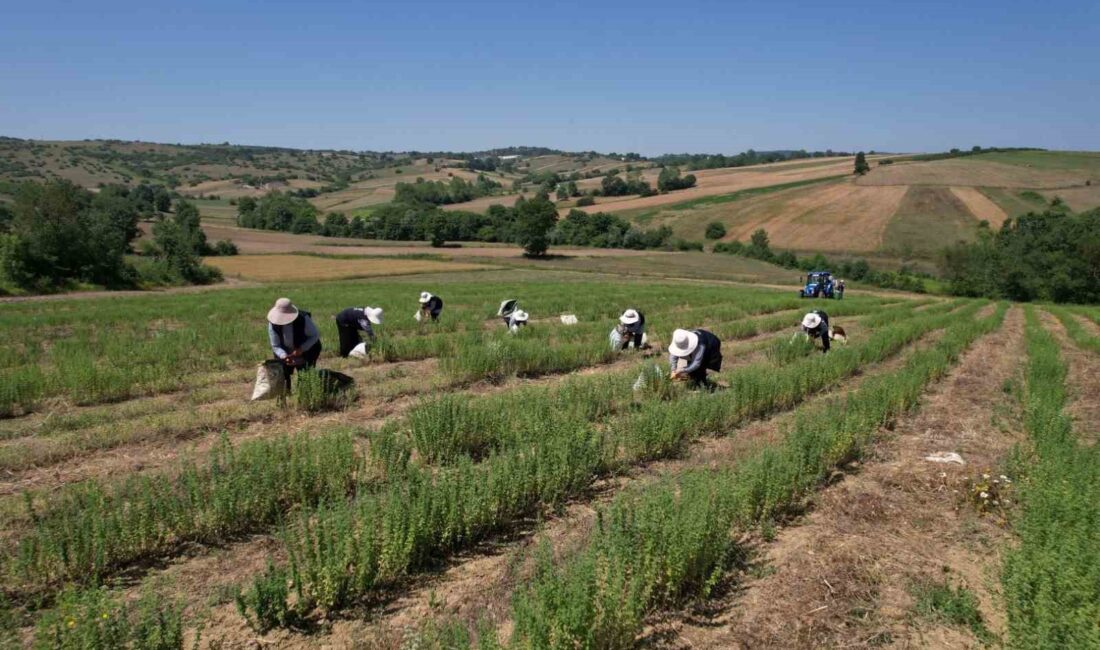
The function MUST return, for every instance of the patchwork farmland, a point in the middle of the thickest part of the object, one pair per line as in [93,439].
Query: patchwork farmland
[484,489]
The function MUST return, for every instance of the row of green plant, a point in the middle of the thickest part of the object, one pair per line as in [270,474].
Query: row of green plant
[88,530]
[1076,329]
[655,546]
[154,344]
[1051,577]
[344,551]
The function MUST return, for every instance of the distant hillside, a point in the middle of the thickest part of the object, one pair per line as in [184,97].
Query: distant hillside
[901,208]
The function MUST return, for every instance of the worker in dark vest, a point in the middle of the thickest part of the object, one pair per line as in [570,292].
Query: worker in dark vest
[692,353]
[816,325]
[353,320]
[632,328]
[430,306]
[294,338]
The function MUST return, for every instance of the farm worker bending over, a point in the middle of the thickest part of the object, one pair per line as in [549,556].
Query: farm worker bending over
[353,320]
[816,325]
[632,328]
[507,308]
[840,289]
[294,338]
[516,320]
[692,353]
[430,305]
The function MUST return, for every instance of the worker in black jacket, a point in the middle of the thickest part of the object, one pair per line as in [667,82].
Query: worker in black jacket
[692,353]
[353,320]
[816,325]
[430,305]
[293,336]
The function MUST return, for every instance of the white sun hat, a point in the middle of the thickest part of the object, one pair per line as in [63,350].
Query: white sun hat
[629,317]
[520,316]
[373,314]
[683,343]
[811,321]
[507,306]
[283,313]
[425,297]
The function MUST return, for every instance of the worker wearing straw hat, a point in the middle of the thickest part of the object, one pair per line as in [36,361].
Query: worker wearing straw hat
[430,306]
[692,353]
[353,320]
[293,336]
[816,325]
[632,329]
[516,320]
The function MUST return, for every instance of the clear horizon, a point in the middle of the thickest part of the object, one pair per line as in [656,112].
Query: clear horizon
[624,77]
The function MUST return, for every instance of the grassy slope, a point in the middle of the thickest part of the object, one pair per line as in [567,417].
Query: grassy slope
[1087,161]
[928,219]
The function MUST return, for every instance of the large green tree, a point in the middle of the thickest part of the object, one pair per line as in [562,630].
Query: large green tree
[861,164]
[534,220]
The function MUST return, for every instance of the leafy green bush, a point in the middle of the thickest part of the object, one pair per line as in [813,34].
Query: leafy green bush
[952,605]
[264,605]
[95,618]
[715,230]
[314,392]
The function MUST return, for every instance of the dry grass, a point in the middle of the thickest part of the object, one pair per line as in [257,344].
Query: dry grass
[301,268]
[928,219]
[1079,199]
[980,205]
[972,172]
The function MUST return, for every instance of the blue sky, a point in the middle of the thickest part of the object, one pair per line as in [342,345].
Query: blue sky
[612,76]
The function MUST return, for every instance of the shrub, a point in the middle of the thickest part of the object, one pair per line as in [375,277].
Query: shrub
[265,606]
[314,392]
[94,618]
[225,247]
[586,201]
[715,230]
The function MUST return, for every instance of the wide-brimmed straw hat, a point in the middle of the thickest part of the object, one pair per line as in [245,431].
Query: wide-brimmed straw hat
[425,297]
[683,343]
[283,313]
[373,314]
[811,321]
[507,306]
[629,317]
[520,316]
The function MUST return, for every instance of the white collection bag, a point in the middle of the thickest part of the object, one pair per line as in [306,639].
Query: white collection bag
[417,315]
[270,381]
[359,351]
[569,319]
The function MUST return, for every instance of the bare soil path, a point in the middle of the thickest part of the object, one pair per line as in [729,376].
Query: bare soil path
[844,576]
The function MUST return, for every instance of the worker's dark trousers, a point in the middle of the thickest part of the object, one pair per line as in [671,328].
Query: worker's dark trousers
[310,356]
[349,338]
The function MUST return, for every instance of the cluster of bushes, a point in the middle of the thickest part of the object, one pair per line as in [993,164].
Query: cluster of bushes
[457,190]
[1053,255]
[278,211]
[604,230]
[58,235]
[973,151]
[759,248]
[670,180]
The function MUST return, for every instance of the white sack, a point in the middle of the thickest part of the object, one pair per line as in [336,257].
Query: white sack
[359,351]
[569,319]
[269,382]
[417,315]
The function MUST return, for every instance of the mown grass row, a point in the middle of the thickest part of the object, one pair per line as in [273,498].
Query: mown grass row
[655,546]
[1051,577]
[343,552]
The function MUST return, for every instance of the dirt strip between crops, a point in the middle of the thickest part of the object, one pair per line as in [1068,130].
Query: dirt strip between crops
[1083,378]
[844,575]
[478,584]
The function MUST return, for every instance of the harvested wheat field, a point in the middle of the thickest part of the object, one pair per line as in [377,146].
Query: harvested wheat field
[1078,199]
[980,205]
[307,268]
[972,172]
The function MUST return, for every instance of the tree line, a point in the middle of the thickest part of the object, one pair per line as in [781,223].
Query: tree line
[1053,255]
[57,236]
[456,190]
[696,161]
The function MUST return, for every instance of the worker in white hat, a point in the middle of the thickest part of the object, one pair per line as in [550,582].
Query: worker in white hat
[816,325]
[692,353]
[631,329]
[353,320]
[293,336]
[430,306]
[516,320]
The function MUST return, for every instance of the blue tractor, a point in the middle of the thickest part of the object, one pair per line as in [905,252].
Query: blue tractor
[819,284]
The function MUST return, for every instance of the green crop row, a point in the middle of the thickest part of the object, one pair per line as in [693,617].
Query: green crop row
[656,545]
[1076,330]
[152,344]
[1052,576]
[342,552]
[90,530]
[87,531]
